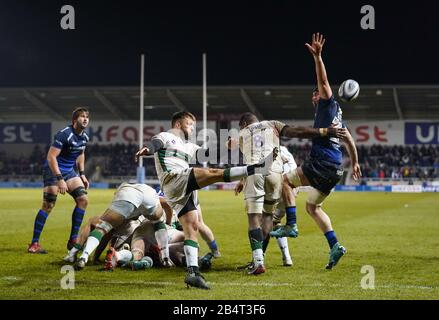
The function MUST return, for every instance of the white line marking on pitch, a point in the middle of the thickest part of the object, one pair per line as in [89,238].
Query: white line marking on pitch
[257,284]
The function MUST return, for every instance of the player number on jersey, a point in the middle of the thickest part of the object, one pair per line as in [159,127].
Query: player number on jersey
[258,141]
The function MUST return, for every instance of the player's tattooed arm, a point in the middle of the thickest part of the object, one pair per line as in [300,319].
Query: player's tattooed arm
[308,132]
[150,148]
[315,48]
[353,155]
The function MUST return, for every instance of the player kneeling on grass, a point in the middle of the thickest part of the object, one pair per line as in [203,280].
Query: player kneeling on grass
[117,237]
[130,201]
[145,252]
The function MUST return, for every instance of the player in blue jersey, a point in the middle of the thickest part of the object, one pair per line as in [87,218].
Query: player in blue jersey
[324,169]
[66,153]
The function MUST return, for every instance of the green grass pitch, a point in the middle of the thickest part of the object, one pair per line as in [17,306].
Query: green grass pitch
[396,234]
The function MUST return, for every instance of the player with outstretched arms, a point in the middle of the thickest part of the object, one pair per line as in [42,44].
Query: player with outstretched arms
[129,202]
[324,169]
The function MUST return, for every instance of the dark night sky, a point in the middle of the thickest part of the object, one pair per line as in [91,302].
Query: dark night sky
[247,42]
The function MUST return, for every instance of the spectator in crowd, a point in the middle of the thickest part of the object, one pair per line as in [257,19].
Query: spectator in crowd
[391,162]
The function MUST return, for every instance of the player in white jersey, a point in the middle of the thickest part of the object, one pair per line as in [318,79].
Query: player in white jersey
[262,193]
[145,252]
[173,152]
[287,205]
[117,237]
[129,201]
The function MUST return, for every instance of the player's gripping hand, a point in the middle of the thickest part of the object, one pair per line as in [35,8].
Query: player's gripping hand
[356,171]
[85,181]
[140,153]
[340,133]
[62,186]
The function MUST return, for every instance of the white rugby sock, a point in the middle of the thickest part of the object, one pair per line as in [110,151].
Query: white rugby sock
[162,238]
[283,246]
[90,246]
[258,256]
[191,253]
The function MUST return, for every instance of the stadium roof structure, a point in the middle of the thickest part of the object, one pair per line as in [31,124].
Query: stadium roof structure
[224,102]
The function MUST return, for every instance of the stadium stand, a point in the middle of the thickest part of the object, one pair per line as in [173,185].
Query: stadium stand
[225,102]
[113,162]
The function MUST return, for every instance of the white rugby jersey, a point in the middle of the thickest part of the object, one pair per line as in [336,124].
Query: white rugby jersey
[288,160]
[258,140]
[175,154]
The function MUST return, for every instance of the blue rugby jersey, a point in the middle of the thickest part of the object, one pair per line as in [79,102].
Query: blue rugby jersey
[328,114]
[72,146]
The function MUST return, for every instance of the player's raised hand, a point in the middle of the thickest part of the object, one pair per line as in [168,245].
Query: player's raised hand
[140,153]
[316,45]
[356,171]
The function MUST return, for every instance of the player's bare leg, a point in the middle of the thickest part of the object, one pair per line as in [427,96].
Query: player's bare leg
[267,226]
[205,177]
[297,178]
[207,234]
[108,222]
[319,216]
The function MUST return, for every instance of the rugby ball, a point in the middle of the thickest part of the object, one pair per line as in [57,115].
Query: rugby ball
[349,90]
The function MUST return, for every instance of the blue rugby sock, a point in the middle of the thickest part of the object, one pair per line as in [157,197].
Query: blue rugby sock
[77,216]
[291,215]
[213,245]
[332,239]
[40,220]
